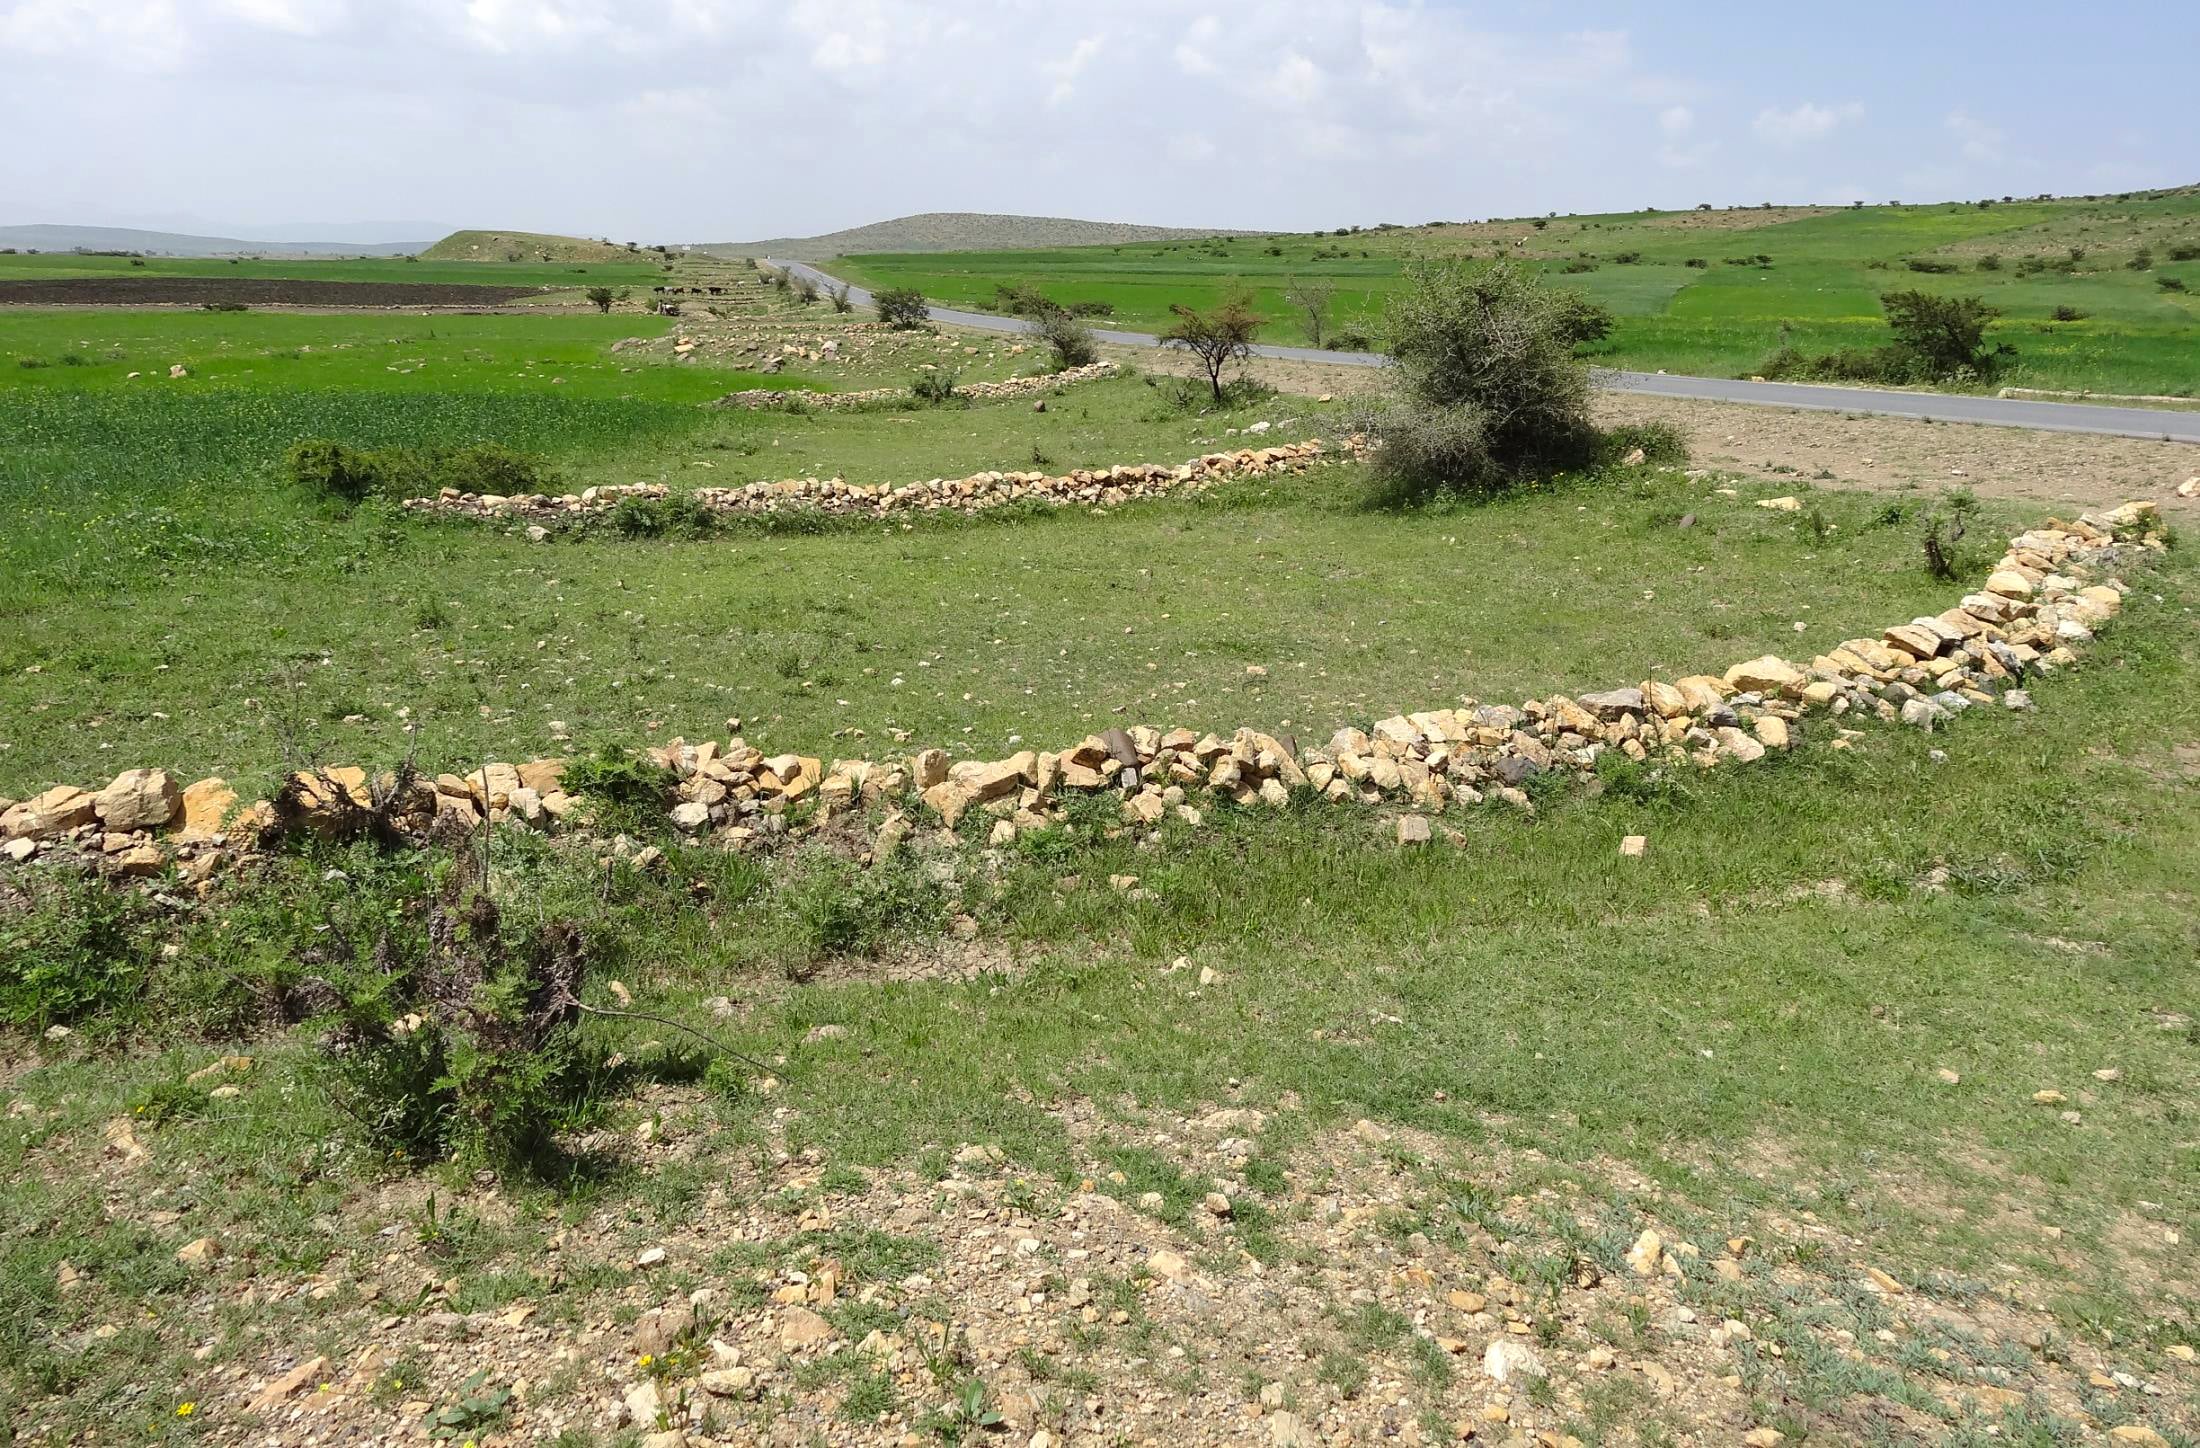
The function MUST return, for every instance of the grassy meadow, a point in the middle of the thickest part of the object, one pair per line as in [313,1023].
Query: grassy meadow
[1741,1034]
[134,497]
[1695,296]
[637,271]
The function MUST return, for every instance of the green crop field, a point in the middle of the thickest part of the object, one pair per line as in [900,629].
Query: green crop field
[1253,1114]
[1817,285]
[26,266]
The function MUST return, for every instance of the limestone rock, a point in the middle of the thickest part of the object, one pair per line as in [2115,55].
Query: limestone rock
[42,816]
[799,1328]
[1508,1359]
[1768,674]
[206,806]
[289,1385]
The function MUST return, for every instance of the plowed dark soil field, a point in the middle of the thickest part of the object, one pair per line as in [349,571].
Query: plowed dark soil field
[105,291]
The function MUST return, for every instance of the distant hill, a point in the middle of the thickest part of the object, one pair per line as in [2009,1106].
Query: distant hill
[521,246]
[176,243]
[961,231]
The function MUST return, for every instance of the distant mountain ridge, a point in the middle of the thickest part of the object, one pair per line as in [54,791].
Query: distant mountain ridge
[177,243]
[963,231]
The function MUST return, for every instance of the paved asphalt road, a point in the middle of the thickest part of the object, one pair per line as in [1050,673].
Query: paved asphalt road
[2173,426]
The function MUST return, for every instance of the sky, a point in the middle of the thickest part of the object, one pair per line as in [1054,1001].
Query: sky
[731,120]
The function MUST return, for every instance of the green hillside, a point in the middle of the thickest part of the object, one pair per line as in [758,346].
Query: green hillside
[1708,292]
[522,246]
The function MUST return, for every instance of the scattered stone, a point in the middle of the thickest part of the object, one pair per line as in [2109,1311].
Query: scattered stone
[799,1328]
[200,1254]
[1507,1359]
[1632,846]
[289,1385]
[729,1382]
[1413,829]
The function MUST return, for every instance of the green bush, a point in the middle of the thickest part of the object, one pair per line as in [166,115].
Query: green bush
[1936,339]
[1487,389]
[841,909]
[75,948]
[936,388]
[1659,442]
[902,308]
[629,782]
[455,1034]
[487,467]
[683,515]
[336,471]
[1071,340]
[1931,266]
[1947,334]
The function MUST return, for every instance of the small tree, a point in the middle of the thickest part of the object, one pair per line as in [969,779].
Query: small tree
[839,296]
[605,298]
[1071,340]
[1487,388]
[1312,297]
[1216,337]
[902,308]
[1946,334]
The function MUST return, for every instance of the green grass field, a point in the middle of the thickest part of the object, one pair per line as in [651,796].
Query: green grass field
[1819,290]
[1737,1035]
[25,266]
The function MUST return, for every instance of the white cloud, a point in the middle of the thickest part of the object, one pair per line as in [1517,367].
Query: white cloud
[293,17]
[702,119]
[136,35]
[1191,51]
[1296,79]
[1978,140]
[1065,72]
[1191,149]
[1805,122]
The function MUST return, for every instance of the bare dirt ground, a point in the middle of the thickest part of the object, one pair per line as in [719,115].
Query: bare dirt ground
[1204,1283]
[2058,471]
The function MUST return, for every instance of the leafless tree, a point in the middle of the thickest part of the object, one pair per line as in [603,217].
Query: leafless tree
[1311,295]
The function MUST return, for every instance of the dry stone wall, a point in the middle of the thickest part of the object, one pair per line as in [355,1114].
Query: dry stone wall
[2037,608]
[1000,391]
[1091,487]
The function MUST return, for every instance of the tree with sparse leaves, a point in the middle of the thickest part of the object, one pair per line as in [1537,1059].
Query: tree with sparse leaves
[1218,336]
[1311,296]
